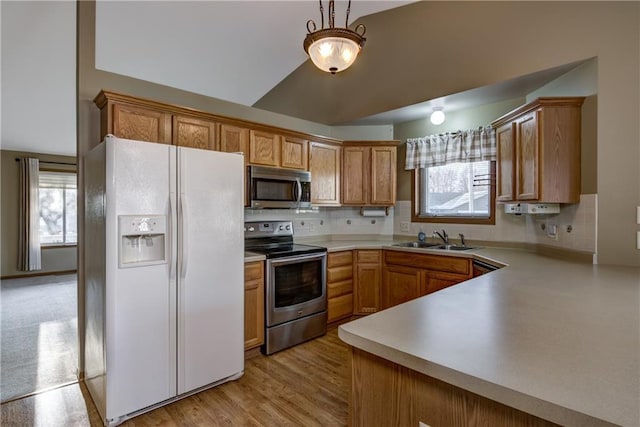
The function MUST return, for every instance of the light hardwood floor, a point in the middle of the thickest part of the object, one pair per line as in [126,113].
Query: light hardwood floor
[307,385]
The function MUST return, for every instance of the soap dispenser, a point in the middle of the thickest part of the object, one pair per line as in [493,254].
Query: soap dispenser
[421,236]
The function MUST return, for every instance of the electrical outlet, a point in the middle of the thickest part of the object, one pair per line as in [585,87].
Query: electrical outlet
[404,226]
[638,215]
[552,231]
[638,240]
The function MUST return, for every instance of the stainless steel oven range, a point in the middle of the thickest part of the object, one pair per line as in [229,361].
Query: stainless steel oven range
[295,284]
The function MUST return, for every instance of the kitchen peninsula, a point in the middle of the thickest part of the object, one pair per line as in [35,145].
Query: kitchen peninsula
[555,339]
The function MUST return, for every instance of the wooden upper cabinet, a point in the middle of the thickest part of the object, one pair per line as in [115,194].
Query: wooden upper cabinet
[527,161]
[194,133]
[234,139]
[369,175]
[264,148]
[355,175]
[505,147]
[538,148]
[294,153]
[142,124]
[325,164]
[383,176]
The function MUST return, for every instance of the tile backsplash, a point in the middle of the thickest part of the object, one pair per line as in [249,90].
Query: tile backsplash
[576,224]
[327,221]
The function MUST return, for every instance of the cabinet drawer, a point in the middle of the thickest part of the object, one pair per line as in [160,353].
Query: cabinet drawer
[339,258]
[253,271]
[339,288]
[337,274]
[340,307]
[367,256]
[431,262]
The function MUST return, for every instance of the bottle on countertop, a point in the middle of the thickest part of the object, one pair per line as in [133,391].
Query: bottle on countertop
[421,236]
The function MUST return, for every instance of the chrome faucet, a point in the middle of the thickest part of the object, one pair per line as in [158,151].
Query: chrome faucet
[444,236]
[462,242]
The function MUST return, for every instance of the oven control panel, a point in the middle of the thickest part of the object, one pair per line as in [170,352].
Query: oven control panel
[267,229]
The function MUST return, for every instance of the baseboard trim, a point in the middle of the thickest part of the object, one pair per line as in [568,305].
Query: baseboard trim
[42,273]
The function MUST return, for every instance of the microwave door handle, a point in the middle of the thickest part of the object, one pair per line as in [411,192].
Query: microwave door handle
[299,186]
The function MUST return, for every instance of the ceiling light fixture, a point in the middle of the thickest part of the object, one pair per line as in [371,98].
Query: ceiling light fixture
[437,117]
[333,49]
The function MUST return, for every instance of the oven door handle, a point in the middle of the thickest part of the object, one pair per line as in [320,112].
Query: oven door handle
[295,259]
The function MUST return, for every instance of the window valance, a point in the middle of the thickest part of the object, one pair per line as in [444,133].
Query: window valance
[453,147]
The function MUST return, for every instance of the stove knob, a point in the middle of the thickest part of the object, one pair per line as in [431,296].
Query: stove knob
[251,229]
[288,227]
[280,228]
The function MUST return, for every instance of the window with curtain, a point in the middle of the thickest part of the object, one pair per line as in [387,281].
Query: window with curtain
[58,210]
[453,177]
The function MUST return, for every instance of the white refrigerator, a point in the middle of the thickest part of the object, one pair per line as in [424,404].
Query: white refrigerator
[164,289]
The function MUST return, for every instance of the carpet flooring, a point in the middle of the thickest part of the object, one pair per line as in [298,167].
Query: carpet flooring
[39,342]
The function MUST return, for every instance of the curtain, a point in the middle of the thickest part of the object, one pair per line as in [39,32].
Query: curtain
[29,239]
[463,146]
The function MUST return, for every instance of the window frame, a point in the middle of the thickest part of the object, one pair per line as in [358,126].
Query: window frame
[415,203]
[44,246]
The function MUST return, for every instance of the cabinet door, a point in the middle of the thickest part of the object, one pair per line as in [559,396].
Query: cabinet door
[339,307]
[194,133]
[264,148]
[253,304]
[234,139]
[141,124]
[355,175]
[294,153]
[324,165]
[506,163]
[383,176]
[436,280]
[400,284]
[527,157]
[367,282]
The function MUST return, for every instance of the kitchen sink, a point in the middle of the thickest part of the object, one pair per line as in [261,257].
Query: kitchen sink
[416,245]
[453,247]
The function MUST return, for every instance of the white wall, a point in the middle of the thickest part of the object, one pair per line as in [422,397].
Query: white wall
[39,76]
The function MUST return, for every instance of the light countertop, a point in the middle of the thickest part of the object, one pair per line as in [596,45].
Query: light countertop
[557,339]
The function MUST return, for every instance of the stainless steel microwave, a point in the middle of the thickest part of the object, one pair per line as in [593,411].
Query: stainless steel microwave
[278,188]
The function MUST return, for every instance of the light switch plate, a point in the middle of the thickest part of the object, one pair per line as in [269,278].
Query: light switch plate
[638,240]
[638,215]
[404,226]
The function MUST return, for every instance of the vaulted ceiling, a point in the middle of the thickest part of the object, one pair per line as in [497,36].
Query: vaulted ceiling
[250,52]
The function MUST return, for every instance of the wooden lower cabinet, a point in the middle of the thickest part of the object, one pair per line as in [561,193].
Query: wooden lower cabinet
[368,279]
[253,304]
[401,284]
[409,275]
[339,285]
[386,394]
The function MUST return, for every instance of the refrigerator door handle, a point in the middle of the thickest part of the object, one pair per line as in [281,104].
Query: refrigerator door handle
[171,237]
[183,253]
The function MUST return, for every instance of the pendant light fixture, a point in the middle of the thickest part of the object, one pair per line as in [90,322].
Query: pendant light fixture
[333,49]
